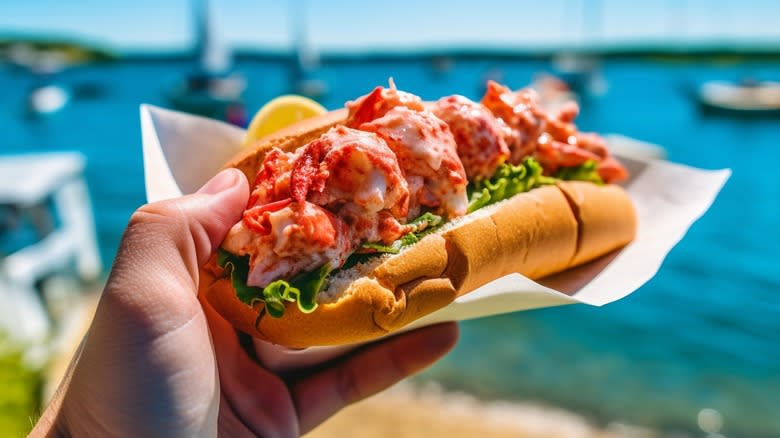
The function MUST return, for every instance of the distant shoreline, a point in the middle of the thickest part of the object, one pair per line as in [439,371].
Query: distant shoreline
[671,54]
[87,51]
[413,411]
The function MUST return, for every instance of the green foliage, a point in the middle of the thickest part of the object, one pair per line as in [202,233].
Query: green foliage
[20,393]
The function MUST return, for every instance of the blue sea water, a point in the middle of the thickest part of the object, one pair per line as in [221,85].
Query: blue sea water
[702,334]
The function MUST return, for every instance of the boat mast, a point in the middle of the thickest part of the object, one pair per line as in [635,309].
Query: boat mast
[211,55]
[304,57]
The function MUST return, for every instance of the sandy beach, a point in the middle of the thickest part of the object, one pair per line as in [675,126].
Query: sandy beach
[409,410]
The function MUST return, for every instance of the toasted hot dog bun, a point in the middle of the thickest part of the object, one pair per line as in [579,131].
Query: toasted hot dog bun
[538,233]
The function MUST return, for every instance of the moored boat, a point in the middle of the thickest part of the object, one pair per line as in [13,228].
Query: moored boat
[749,97]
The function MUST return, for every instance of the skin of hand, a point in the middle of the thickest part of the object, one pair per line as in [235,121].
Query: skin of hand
[158,362]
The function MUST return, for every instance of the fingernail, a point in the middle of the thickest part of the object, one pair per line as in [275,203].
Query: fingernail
[220,182]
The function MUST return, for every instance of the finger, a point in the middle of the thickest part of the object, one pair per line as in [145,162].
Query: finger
[188,227]
[252,395]
[154,278]
[369,371]
[228,423]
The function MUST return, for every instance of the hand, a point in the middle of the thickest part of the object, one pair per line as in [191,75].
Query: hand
[158,363]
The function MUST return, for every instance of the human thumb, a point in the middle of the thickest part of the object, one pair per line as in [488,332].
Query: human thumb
[165,242]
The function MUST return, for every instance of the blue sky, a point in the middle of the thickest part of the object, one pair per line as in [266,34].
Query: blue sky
[360,25]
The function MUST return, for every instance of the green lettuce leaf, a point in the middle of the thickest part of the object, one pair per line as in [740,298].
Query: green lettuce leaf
[508,181]
[376,247]
[238,269]
[357,258]
[425,221]
[302,289]
[308,285]
[586,171]
[425,224]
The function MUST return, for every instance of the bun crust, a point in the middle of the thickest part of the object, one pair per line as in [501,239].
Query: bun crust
[366,310]
[537,233]
[605,216]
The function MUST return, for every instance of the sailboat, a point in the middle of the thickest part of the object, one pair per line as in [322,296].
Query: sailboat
[305,59]
[46,95]
[748,97]
[581,69]
[211,90]
[46,98]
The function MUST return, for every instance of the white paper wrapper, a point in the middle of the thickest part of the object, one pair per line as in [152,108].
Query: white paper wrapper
[181,152]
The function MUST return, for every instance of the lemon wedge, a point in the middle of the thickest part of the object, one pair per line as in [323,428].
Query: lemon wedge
[279,113]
